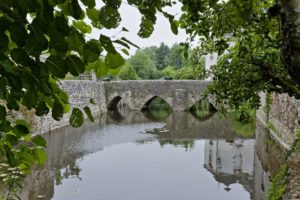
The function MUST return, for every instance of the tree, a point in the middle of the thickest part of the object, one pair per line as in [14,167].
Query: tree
[40,42]
[43,40]
[127,73]
[162,53]
[175,57]
[250,36]
[144,65]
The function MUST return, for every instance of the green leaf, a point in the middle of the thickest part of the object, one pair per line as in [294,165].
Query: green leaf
[109,17]
[129,42]
[21,35]
[55,2]
[21,129]
[89,3]
[135,2]
[8,66]
[40,156]
[2,113]
[114,61]
[27,157]
[93,14]
[115,4]
[57,66]
[5,126]
[11,139]
[88,112]
[146,28]
[107,44]
[30,98]
[75,65]
[3,42]
[39,141]
[174,26]
[57,111]
[75,41]
[36,43]
[41,109]
[124,44]
[91,51]
[12,160]
[73,9]
[82,26]
[125,51]
[19,56]
[76,119]
[125,29]
[100,68]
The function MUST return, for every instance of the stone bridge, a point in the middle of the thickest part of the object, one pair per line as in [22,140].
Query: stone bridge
[179,94]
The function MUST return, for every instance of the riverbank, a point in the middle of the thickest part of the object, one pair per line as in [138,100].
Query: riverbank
[280,115]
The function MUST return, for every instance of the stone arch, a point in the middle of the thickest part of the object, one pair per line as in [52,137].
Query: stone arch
[113,104]
[148,101]
[212,107]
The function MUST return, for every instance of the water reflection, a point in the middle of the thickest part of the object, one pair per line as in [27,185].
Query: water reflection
[113,159]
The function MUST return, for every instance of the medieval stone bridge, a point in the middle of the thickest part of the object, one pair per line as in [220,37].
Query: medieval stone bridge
[108,95]
[179,94]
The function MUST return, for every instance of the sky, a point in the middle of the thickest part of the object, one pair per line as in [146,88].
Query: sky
[131,20]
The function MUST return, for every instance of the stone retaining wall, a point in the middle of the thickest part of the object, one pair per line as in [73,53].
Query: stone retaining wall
[280,116]
[80,93]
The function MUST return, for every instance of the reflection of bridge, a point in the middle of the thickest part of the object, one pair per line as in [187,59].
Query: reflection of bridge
[180,95]
[231,162]
[68,144]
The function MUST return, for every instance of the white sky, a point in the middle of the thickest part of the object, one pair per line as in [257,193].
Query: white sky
[131,20]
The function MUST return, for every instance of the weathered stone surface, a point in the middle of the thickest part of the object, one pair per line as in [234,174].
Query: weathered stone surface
[282,117]
[180,95]
[80,93]
[282,120]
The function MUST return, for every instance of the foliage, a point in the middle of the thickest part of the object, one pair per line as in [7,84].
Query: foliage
[144,66]
[202,109]
[189,73]
[169,71]
[127,73]
[162,53]
[278,186]
[42,41]
[176,56]
[247,40]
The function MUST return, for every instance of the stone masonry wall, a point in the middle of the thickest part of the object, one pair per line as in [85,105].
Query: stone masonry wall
[80,93]
[281,117]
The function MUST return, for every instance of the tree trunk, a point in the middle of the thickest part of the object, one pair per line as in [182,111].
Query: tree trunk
[290,33]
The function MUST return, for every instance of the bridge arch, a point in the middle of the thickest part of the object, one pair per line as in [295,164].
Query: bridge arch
[113,104]
[150,99]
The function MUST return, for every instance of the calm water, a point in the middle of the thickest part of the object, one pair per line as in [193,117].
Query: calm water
[115,159]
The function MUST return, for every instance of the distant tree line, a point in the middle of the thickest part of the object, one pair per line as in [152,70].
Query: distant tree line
[159,62]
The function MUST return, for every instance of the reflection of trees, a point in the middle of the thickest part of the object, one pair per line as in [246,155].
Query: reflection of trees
[187,144]
[71,171]
[202,110]
[156,115]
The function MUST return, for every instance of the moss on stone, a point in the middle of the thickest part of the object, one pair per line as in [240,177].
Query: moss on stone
[268,102]
[279,184]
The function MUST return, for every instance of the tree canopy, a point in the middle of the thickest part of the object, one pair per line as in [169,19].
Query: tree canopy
[43,40]
[248,36]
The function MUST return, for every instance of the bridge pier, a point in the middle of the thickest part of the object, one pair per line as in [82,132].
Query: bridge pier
[180,100]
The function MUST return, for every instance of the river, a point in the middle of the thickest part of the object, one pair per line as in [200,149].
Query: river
[115,159]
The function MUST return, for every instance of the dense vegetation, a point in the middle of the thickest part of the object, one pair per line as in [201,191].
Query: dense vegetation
[163,62]
[41,41]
